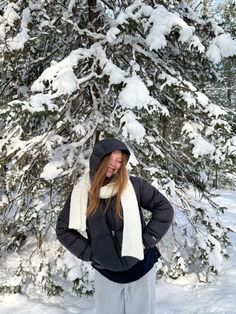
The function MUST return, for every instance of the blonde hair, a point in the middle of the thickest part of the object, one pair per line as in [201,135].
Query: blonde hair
[120,180]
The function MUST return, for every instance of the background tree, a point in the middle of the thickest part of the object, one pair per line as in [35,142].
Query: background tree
[76,72]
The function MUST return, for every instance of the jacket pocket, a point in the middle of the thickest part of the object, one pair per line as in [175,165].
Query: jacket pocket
[87,253]
[149,240]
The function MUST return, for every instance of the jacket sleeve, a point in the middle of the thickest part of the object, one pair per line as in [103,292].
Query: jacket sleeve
[162,214]
[71,239]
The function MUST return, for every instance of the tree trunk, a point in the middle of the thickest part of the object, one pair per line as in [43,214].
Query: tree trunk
[215,181]
[230,78]
[92,12]
[205,12]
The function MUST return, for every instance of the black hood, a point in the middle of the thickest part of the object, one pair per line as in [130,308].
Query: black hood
[103,148]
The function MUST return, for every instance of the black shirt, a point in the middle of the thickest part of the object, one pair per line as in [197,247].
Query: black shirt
[136,272]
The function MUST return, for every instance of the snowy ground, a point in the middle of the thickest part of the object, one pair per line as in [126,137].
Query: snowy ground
[179,297]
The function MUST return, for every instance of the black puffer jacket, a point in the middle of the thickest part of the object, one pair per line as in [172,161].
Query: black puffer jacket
[104,229]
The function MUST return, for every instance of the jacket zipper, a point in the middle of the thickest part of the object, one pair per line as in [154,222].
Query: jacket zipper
[115,238]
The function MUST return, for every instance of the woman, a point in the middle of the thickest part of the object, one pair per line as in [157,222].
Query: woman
[102,222]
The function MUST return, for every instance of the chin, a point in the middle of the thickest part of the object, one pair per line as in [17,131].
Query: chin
[108,175]
[112,175]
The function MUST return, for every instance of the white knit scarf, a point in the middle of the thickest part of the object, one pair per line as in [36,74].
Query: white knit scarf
[132,244]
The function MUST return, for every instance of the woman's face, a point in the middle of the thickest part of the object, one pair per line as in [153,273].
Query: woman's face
[114,163]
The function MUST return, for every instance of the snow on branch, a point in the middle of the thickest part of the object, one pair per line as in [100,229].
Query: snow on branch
[163,22]
[222,46]
[61,75]
[232,146]
[214,111]
[116,75]
[158,23]
[62,80]
[8,20]
[10,14]
[132,128]
[135,94]
[200,145]
[192,97]
[37,103]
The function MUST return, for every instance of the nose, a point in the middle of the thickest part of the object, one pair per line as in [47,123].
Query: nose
[112,164]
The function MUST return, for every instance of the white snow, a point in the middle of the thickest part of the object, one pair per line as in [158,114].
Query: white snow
[215,110]
[157,151]
[10,14]
[111,34]
[216,28]
[66,82]
[169,80]
[116,75]
[191,129]
[226,44]
[156,39]
[182,296]
[188,98]
[61,74]
[146,10]
[232,146]
[71,5]
[132,128]
[160,22]
[189,85]
[196,43]
[75,269]
[163,22]
[222,46]
[202,147]
[130,10]
[40,102]
[21,38]
[52,170]
[122,18]
[135,94]
[202,98]
[79,129]
[62,78]
[213,53]
[18,41]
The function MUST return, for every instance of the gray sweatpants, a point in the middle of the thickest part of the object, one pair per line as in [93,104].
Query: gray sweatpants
[137,297]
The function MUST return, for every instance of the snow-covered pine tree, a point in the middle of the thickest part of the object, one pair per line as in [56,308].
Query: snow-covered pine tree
[74,72]
[227,96]
[223,91]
